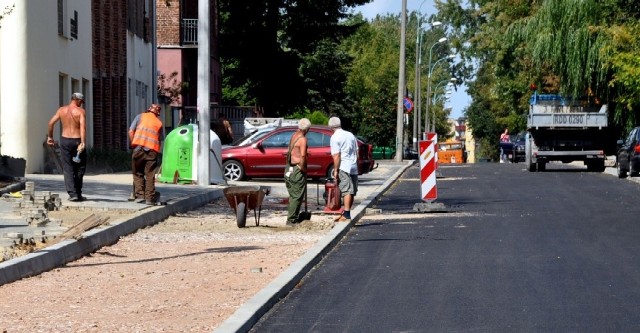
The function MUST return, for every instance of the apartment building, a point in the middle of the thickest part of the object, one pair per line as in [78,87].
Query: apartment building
[177,41]
[50,49]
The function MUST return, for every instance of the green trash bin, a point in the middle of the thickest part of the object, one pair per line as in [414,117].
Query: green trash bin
[179,160]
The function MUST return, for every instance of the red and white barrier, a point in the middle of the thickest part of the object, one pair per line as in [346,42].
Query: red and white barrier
[428,188]
[433,136]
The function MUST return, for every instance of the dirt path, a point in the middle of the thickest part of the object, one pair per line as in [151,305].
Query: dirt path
[185,274]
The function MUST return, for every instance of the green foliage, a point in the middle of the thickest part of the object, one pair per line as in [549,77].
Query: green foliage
[169,86]
[316,117]
[276,53]
[584,48]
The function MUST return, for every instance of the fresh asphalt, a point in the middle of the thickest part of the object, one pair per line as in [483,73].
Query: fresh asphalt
[515,251]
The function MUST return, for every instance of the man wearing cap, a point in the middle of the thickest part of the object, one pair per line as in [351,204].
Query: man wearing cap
[145,135]
[295,177]
[72,144]
[344,150]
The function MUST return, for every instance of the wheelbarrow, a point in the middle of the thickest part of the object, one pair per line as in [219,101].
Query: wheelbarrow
[245,198]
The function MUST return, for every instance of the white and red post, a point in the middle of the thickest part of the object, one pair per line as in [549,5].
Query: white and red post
[428,188]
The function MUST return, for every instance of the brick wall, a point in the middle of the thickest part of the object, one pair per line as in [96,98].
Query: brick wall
[110,74]
[168,22]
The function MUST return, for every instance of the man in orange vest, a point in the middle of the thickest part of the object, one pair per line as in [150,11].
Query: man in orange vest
[144,134]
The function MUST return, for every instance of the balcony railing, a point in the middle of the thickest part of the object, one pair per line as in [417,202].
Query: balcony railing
[190,31]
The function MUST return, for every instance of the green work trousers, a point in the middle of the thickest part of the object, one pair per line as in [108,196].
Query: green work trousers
[296,182]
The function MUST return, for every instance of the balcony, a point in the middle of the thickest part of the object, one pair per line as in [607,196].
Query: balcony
[189,31]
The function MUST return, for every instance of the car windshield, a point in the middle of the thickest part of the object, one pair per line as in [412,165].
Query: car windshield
[250,138]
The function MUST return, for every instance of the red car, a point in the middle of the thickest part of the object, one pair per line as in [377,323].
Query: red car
[265,158]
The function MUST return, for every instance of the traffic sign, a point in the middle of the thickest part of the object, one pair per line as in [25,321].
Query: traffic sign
[408,104]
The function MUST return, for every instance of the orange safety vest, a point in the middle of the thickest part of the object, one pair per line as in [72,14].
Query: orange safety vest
[147,132]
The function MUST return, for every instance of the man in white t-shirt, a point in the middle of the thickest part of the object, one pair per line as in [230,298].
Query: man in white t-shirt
[344,150]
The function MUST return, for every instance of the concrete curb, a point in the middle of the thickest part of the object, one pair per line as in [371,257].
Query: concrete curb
[250,312]
[59,254]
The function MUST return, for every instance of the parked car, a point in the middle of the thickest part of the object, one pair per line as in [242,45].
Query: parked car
[365,154]
[249,138]
[518,148]
[266,157]
[628,156]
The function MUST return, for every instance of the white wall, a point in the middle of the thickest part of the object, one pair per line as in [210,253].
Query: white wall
[32,56]
[139,71]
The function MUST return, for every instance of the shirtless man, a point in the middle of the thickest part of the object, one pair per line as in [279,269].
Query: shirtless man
[72,143]
[295,177]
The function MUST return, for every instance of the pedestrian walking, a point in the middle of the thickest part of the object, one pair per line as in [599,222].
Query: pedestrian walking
[295,176]
[344,150]
[504,138]
[224,130]
[72,118]
[145,136]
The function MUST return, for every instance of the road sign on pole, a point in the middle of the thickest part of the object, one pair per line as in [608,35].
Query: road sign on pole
[408,104]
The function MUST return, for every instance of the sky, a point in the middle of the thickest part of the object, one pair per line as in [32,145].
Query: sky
[459,99]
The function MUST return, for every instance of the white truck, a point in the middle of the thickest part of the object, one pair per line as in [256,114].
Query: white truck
[565,130]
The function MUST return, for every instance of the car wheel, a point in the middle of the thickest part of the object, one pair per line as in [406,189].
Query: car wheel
[330,172]
[233,170]
[621,173]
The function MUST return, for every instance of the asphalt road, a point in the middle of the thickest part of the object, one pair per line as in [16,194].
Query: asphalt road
[554,251]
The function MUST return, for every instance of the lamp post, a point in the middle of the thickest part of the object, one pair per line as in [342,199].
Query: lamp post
[451,56]
[426,116]
[417,94]
[401,81]
[449,84]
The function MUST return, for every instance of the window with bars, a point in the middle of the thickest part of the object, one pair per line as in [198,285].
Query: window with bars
[61,17]
[74,25]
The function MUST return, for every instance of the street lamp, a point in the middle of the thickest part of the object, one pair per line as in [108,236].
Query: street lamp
[401,81]
[448,57]
[441,40]
[417,95]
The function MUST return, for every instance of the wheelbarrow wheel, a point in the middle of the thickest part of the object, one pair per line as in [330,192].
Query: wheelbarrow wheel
[241,214]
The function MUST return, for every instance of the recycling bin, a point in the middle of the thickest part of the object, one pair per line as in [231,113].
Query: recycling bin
[180,157]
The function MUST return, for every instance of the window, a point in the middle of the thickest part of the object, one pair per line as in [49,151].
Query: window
[62,18]
[278,140]
[74,25]
[315,139]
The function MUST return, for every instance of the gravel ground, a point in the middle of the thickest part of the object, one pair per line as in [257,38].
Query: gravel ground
[187,273]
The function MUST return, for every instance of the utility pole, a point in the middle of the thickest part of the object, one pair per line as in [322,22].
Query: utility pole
[401,83]
[204,107]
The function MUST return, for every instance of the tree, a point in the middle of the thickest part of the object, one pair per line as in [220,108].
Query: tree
[6,11]
[574,47]
[264,47]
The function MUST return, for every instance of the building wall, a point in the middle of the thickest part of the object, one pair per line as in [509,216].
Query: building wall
[110,73]
[123,68]
[470,145]
[173,55]
[168,22]
[40,70]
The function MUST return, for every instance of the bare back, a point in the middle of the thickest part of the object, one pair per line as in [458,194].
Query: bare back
[72,118]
